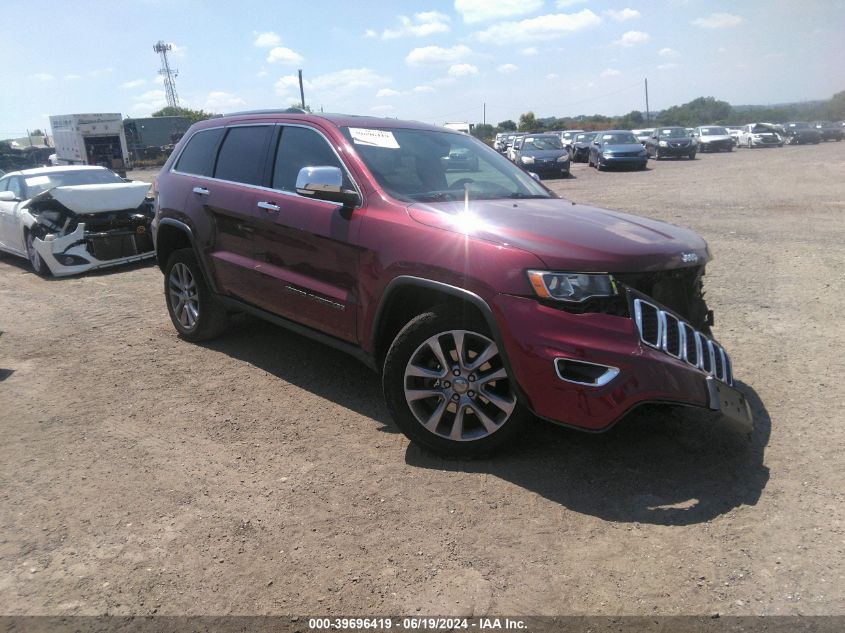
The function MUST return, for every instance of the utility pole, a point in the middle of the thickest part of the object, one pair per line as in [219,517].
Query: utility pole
[168,74]
[647,113]
[301,90]
[484,117]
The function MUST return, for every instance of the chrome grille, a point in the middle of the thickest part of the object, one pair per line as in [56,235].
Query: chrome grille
[666,332]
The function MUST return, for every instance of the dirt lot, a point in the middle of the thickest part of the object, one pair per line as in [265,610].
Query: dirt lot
[261,474]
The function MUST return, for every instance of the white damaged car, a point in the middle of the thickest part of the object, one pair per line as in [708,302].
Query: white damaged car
[67,220]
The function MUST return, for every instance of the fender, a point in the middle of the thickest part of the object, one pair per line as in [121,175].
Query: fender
[184,228]
[460,293]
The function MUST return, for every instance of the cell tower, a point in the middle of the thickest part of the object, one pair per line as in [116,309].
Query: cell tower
[169,74]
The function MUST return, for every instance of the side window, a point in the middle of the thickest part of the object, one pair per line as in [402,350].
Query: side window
[4,184]
[198,156]
[242,154]
[301,147]
[16,187]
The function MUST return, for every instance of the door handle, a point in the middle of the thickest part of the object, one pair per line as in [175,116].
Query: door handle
[268,206]
[200,191]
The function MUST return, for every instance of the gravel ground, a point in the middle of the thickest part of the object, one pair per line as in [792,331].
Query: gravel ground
[260,473]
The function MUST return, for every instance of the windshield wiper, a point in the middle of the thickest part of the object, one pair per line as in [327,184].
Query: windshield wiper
[523,196]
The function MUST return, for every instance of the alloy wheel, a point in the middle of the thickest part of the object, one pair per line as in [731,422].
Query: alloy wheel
[457,387]
[184,295]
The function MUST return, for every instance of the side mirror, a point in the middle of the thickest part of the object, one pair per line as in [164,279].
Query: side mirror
[325,183]
[7,196]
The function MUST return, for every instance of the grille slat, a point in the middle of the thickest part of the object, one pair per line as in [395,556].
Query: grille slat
[679,339]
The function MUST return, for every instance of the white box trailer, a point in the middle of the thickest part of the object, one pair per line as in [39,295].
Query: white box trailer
[90,139]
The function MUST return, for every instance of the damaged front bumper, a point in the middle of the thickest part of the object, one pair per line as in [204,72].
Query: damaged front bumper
[81,250]
[589,370]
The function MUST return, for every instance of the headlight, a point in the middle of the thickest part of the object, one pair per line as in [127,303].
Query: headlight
[527,160]
[570,286]
[663,144]
[562,159]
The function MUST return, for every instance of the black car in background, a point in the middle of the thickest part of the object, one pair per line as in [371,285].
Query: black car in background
[671,141]
[580,150]
[829,131]
[542,154]
[801,133]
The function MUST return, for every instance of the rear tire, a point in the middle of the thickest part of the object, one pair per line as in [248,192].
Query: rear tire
[194,310]
[447,387]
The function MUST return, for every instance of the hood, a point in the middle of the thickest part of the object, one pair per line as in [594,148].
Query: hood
[569,236]
[716,137]
[675,139]
[544,153]
[84,199]
[624,147]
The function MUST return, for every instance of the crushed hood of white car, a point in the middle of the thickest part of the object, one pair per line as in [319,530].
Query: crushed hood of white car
[104,198]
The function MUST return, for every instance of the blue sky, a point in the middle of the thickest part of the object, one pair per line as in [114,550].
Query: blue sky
[429,60]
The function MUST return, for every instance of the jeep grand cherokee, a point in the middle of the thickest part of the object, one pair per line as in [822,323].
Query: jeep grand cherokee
[481,297]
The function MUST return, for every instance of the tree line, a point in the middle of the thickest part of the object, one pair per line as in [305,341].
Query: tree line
[700,111]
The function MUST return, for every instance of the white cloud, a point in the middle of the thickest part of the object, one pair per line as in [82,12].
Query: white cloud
[219,101]
[268,39]
[261,73]
[98,72]
[544,27]
[43,76]
[718,21]
[135,83]
[670,53]
[668,66]
[421,89]
[632,38]
[370,33]
[330,86]
[421,25]
[462,70]
[529,51]
[387,92]
[481,10]
[178,51]
[552,76]
[609,72]
[428,55]
[72,77]
[149,102]
[623,15]
[562,4]
[382,109]
[507,68]
[284,55]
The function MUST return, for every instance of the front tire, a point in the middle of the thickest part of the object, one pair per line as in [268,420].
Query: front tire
[196,314]
[447,387]
[35,260]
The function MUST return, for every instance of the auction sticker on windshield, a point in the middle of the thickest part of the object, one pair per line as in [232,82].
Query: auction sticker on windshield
[373,138]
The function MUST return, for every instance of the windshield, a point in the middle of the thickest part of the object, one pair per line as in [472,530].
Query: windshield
[800,126]
[584,138]
[42,182]
[713,131]
[672,132]
[542,142]
[619,138]
[762,127]
[414,166]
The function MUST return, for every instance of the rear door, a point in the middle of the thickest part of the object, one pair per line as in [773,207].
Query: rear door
[11,231]
[233,200]
[309,248]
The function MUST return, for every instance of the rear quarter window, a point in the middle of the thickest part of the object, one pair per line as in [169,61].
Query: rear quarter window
[198,156]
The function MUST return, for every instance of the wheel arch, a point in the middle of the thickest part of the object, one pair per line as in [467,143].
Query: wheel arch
[172,235]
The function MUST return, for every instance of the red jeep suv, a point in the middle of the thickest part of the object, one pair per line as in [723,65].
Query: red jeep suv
[479,295]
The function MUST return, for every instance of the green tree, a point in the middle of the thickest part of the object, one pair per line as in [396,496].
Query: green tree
[192,115]
[507,126]
[483,131]
[527,122]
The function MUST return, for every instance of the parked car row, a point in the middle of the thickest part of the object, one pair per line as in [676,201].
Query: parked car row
[540,154]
